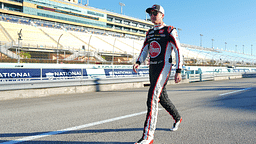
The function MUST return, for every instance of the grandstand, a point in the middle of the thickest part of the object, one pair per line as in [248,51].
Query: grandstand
[40,37]
[209,56]
[67,31]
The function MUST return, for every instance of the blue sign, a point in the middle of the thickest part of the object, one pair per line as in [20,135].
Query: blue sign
[20,73]
[61,72]
[65,72]
[121,72]
[85,72]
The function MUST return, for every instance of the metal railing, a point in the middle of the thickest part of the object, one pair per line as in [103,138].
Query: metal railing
[214,76]
[49,82]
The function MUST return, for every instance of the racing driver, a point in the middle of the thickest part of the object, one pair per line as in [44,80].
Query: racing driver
[159,43]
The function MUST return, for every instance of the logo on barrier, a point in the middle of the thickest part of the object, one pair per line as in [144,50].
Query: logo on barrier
[124,72]
[61,72]
[19,73]
[14,75]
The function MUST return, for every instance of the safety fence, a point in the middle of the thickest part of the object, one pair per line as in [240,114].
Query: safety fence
[32,83]
[50,82]
[30,78]
[33,76]
[218,76]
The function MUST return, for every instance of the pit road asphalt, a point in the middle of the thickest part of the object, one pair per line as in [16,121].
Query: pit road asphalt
[216,112]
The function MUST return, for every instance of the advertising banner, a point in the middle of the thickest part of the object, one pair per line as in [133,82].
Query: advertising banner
[125,72]
[20,73]
[61,72]
[66,72]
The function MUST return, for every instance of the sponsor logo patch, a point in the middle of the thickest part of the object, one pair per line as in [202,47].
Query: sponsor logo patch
[155,49]
[161,31]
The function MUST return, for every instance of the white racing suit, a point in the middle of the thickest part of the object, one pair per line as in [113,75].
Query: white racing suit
[159,43]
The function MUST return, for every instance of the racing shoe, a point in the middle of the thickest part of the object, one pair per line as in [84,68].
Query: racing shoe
[176,124]
[142,141]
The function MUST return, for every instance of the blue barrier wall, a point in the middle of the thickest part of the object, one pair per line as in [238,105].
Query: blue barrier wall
[14,70]
[19,73]
[66,72]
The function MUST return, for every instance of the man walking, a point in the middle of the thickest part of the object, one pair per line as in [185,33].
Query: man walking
[159,43]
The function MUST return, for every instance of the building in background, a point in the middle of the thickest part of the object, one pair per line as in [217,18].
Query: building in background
[69,12]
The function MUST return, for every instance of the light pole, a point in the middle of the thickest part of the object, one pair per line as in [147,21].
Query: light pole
[89,49]
[19,39]
[212,42]
[201,40]
[146,16]
[225,45]
[243,49]
[113,52]
[86,3]
[179,29]
[58,49]
[83,47]
[121,4]
[251,49]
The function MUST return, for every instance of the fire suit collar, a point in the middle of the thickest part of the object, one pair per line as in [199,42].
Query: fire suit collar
[157,27]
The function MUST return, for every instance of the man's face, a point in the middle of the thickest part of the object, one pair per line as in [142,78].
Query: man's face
[156,17]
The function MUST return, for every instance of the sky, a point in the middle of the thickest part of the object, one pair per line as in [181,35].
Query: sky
[227,22]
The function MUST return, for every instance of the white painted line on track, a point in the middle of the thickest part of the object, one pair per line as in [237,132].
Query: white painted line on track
[72,128]
[234,91]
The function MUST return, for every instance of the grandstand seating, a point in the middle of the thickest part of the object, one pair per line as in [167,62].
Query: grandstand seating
[30,35]
[3,38]
[129,45]
[15,20]
[40,34]
[85,38]
[47,37]
[190,54]
[219,56]
[67,40]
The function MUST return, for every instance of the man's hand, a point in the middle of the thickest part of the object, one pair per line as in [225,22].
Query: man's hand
[177,77]
[135,67]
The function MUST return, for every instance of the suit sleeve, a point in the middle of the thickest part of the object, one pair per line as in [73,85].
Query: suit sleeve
[176,48]
[144,52]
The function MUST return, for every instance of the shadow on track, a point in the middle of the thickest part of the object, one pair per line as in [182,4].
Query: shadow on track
[244,100]
[71,142]
[74,132]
